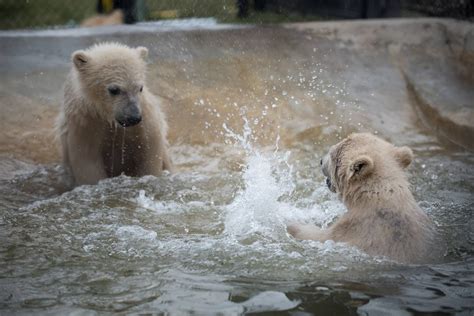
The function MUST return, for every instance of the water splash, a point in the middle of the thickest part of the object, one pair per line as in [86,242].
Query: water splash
[262,207]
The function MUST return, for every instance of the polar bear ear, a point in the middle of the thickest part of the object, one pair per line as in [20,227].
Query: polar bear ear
[404,156]
[80,59]
[361,167]
[142,51]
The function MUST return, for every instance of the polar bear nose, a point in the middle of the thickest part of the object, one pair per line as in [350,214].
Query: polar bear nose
[129,116]
[130,121]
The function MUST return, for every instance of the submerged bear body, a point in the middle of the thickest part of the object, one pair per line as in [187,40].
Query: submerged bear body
[382,216]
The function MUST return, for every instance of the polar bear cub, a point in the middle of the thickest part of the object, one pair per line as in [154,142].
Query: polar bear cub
[110,123]
[382,216]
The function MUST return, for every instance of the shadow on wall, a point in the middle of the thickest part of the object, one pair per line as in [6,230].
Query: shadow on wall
[364,9]
[353,9]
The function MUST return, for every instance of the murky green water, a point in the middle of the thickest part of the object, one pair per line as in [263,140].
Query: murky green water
[211,239]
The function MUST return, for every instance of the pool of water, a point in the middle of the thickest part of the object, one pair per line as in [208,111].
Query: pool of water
[211,238]
[250,117]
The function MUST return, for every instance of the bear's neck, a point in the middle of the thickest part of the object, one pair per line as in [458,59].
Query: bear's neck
[391,192]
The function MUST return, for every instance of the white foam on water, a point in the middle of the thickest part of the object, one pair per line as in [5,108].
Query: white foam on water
[149,203]
[136,232]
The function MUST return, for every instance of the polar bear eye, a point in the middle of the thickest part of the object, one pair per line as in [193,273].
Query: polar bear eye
[141,88]
[114,90]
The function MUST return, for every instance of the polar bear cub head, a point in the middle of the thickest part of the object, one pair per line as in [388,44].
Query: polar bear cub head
[364,162]
[112,79]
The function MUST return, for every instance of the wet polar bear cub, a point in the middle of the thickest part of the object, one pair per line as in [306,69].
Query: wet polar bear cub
[382,216]
[110,123]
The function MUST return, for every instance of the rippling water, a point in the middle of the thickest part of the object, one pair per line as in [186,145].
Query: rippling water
[211,238]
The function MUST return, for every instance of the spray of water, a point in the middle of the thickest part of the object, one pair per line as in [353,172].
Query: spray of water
[260,208]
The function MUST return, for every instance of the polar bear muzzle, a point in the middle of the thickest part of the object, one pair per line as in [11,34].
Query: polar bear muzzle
[326,164]
[128,115]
